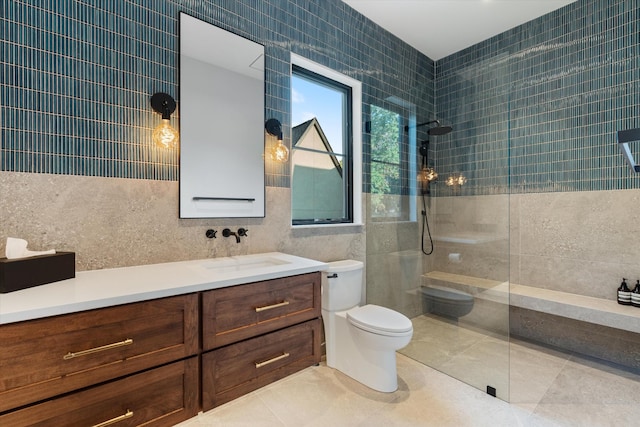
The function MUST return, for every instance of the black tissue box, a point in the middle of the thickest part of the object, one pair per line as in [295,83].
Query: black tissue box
[22,273]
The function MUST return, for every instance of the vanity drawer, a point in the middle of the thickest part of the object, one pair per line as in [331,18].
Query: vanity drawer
[237,369]
[159,397]
[239,312]
[46,357]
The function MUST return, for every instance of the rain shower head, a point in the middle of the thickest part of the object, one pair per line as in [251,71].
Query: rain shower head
[437,130]
[440,130]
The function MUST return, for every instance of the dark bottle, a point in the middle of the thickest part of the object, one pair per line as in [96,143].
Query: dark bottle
[635,295]
[624,293]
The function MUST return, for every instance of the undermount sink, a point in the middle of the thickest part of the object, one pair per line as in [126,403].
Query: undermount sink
[248,262]
[253,267]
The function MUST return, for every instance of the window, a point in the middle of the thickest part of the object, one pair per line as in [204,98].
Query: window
[391,150]
[326,147]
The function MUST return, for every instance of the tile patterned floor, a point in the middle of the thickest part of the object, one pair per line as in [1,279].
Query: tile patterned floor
[546,387]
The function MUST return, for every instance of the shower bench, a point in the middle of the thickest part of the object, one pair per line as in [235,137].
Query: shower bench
[595,327]
[583,308]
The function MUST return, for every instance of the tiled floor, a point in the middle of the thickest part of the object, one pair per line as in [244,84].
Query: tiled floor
[472,355]
[547,388]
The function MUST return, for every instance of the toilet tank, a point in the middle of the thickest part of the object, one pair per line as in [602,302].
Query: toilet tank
[342,285]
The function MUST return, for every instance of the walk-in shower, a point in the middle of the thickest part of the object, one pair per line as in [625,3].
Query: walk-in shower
[444,269]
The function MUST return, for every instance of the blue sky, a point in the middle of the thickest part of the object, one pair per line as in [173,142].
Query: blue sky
[309,100]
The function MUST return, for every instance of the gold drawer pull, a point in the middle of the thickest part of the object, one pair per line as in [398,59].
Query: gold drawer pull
[275,359]
[129,414]
[269,307]
[71,355]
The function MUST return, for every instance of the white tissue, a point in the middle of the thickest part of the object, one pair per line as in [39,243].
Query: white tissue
[17,248]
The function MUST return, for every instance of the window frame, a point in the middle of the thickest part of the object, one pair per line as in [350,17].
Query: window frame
[405,165]
[355,136]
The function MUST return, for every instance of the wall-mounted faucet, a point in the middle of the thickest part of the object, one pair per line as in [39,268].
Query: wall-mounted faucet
[242,232]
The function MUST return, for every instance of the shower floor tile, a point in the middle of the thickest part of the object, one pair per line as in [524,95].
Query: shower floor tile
[435,342]
[478,358]
[532,372]
[555,385]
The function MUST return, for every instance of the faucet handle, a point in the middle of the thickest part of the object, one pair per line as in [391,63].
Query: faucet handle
[243,232]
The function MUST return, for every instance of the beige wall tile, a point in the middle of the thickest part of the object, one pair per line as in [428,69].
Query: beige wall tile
[113,222]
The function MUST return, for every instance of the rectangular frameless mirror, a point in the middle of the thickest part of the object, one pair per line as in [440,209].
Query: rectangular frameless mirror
[221,123]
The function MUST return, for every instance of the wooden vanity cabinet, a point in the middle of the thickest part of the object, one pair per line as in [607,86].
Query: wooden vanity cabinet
[237,369]
[162,396]
[239,312]
[258,333]
[148,363]
[47,357]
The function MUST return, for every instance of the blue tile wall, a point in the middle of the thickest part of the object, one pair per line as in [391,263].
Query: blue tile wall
[77,76]
[536,109]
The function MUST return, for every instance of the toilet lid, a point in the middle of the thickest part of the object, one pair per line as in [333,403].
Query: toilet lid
[375,318]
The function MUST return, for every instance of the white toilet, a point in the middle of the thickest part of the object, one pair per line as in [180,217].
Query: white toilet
[361,341]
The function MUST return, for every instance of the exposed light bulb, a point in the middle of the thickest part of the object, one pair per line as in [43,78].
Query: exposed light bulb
[456,180]
[165,136]
[427,175]
[279,152]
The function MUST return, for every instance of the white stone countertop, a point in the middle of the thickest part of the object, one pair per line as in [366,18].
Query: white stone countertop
[115,286]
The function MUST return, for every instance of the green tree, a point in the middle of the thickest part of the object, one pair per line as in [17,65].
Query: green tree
[385,150]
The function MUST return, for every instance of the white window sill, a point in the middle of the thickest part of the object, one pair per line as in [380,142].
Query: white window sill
[335,225]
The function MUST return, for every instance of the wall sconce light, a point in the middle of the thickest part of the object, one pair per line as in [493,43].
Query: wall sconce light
[457,180]
[164,135]
[279,152]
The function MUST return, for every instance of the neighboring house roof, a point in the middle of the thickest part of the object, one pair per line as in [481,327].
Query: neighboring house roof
[299,132]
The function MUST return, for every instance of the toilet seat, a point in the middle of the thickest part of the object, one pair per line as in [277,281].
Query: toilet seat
[379,320]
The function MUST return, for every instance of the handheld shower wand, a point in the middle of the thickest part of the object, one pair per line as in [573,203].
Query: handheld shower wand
[427,176]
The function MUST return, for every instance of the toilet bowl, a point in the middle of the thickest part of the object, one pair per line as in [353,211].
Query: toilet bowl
[361,341]
[446,302]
